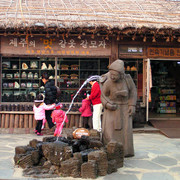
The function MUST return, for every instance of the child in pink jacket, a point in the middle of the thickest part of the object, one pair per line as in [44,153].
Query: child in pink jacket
[58,116]
[39,112]
[86,112]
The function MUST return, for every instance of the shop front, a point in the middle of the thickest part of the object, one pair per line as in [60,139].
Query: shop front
[164,101]
[68,61]
[157,84]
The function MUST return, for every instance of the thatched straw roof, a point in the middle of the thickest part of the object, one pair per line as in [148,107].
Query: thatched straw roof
[70,14]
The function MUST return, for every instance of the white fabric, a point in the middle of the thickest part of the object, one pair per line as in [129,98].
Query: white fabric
[97,110]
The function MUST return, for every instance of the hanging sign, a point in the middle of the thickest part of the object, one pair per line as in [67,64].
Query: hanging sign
[163,52]
[130,50]
[55,46]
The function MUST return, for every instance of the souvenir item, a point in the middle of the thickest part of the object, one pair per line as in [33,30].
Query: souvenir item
[23,85]
[35,85]
[74,76]
[133,68]
[29,84]
[9,76]
[74,67]
[36,76]
[42,87]
[128,68]
[34,65]
[16,85]
[51,77]
[6,65]
[30,75]
[14,66]
[50,67]
[5,85]
[16,75]
[64,67]
[24,66]
[23,75]
[64,76]
[10,85]
[43,67]
[32,93]
[3,75]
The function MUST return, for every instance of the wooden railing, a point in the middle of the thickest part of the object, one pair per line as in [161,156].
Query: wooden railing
[25,119]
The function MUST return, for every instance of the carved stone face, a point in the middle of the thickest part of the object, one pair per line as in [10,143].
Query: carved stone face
[115,76]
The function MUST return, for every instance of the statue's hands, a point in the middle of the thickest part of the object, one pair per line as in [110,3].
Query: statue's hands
[111,107]
[131,110]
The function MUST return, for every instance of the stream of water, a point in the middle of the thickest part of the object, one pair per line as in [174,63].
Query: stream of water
[95,77]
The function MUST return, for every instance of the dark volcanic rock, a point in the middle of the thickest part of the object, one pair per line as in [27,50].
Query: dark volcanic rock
[101,159]
[55,152]
[115,151]
[112,166]
[89,169]
[71,167]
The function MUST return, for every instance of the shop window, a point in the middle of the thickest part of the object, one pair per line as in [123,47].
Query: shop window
[21,77]
[134,67]
[165,87]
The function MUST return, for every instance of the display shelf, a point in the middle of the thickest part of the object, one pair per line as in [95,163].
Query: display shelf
[71,73]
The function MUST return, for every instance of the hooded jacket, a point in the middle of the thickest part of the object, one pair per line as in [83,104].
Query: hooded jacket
[85,109]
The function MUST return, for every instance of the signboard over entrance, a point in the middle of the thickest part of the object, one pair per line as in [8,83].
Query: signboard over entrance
[55,46]
[163,52]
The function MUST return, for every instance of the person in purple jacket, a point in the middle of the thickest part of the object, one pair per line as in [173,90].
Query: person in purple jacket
[86,112]
[39,112]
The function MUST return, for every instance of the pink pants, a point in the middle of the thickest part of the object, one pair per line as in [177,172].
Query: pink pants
[58,129]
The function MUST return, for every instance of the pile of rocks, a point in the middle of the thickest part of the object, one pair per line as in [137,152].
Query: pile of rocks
[86,157]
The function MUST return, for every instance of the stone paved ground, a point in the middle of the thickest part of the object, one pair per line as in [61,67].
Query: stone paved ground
[156,158]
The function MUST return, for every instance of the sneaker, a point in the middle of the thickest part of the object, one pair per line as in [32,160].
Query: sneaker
[35,130]
[39,134]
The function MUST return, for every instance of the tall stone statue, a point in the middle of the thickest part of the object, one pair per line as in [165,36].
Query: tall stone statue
[118,96]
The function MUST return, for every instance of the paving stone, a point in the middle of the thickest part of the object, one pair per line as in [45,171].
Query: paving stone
[175,169]
[140,155]
[116,176]
[164,160]
[6,173]
[157,176]
[143,164]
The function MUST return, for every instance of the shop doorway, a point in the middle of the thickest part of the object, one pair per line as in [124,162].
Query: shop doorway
[165,91]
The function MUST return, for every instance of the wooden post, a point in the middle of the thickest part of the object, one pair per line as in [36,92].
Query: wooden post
[72,123]
[26,121]
[6,120]
[34,122]
[11,124]
[16,121]
[30,121]
[69,118]
[81,122]
[77,117]
[21,121]
[3,121]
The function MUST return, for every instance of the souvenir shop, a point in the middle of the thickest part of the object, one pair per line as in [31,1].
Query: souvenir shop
[69,62]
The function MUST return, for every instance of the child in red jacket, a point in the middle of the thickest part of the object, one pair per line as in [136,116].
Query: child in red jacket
[85,109]
[58,116]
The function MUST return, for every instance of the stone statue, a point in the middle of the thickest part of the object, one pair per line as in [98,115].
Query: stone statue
[118,96]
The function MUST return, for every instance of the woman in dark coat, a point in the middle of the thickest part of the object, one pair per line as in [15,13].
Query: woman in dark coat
[50,96]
